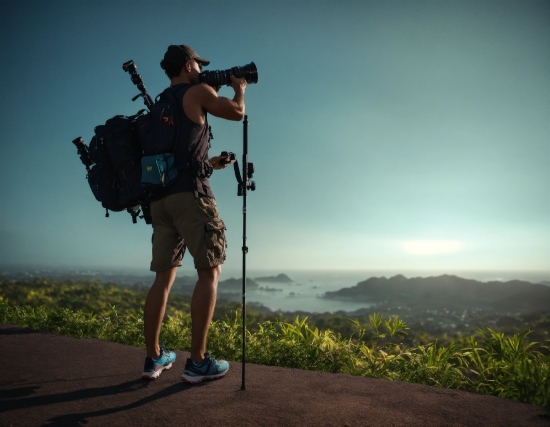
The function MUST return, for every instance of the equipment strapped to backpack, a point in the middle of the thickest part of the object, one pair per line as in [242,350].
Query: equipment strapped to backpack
[130,160]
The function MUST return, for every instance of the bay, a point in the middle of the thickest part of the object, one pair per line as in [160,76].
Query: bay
[305,292]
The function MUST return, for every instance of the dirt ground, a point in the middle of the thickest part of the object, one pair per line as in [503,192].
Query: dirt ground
[54,380]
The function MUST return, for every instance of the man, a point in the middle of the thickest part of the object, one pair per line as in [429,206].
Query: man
[187,217]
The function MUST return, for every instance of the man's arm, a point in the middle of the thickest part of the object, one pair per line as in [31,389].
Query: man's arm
[230,109]
[225,108]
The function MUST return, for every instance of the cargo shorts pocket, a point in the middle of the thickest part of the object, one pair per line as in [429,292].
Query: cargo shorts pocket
[215,240]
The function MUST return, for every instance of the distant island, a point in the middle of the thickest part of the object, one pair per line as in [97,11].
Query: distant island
[281,278]
[451,292]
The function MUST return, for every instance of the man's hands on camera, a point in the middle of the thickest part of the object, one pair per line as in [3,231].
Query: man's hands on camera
[238,84]
[219,162]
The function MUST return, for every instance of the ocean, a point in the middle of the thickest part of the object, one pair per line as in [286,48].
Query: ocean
[304,293]
[308,286]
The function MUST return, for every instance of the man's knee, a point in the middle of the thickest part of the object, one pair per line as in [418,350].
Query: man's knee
[165,279]
[211,274]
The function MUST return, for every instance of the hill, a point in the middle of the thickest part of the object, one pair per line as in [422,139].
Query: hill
[451,292]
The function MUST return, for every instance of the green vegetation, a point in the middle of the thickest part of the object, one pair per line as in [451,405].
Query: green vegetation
[488,362]
[89,296]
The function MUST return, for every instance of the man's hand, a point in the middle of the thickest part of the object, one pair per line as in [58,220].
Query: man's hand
[219,162]
[238,85]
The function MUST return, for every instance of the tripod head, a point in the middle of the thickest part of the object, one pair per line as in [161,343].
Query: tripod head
[250,185]
[130,67]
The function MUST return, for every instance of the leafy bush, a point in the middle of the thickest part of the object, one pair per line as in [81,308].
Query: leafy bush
[509,367]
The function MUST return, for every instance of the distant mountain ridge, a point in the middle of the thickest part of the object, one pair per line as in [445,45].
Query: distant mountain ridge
[281,278]
[448,291]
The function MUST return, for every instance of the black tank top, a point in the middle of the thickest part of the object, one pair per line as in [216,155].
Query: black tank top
[192,147]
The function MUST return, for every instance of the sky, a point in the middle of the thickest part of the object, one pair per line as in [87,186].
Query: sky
[385,134]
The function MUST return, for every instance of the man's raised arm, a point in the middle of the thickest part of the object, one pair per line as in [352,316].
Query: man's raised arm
[225,108]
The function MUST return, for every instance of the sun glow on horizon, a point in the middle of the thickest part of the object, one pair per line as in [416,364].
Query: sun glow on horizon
[432,247]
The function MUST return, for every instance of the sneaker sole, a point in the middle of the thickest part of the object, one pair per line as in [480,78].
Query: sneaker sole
[156,374]
[198,379]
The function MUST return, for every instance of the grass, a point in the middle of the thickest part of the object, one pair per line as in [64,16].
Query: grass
[487,363]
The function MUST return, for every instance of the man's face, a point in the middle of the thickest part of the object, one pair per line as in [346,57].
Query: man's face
[196,69]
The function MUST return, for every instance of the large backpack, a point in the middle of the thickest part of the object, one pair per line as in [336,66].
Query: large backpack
[133,157]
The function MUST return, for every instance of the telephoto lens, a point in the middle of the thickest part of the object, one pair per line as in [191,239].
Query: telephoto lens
[83,152]
[222,77]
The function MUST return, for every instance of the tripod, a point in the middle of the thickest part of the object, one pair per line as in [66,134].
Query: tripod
[244,184]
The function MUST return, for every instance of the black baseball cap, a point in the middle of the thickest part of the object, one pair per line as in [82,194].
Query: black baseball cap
[180,54]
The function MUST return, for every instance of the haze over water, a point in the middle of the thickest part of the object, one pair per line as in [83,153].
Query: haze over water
[309,285]
[304,293]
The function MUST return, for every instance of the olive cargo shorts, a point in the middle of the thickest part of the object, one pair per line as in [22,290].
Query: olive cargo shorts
[180,220]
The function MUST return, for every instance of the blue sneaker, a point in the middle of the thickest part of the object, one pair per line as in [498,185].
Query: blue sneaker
[209,369]
[154,367]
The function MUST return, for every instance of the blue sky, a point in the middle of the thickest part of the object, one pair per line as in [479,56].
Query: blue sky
[385,134]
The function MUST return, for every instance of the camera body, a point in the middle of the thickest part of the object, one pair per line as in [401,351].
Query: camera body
[231,157]
[223,77]
[83,152]
[130,67]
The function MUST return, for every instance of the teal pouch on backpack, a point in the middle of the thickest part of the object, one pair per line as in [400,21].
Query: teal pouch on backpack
[158,170]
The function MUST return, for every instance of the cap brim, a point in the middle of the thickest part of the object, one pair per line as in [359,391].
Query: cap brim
[202,60]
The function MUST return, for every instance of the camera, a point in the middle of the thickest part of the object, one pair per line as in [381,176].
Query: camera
[223,77]
[83,152]
[230,157]
[130,67]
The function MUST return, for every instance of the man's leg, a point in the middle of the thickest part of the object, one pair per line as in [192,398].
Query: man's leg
[199,368]
[155,306]
[202,309]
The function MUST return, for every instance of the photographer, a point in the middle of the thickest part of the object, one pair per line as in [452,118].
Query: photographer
[186,216]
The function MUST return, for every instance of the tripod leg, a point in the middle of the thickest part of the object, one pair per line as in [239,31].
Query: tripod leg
[245,249]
